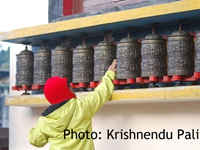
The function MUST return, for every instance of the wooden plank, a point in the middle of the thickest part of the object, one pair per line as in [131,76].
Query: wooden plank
[164,94]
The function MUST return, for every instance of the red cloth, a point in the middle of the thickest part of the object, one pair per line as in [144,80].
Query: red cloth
[56,90]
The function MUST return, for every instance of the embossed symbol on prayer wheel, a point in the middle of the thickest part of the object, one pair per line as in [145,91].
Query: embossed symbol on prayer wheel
[104,53]
[83,63]
[24,72]
[197,56]
[42,65]
[180,53]
[61,61]
[153,53]
[128,58]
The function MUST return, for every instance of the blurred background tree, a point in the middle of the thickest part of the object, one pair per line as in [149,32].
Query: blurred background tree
[4,58]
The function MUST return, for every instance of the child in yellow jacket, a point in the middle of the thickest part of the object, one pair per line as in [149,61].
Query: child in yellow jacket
[67,123]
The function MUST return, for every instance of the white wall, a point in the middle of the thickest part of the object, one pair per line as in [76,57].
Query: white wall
[136,116]
[148,117]
[21,120]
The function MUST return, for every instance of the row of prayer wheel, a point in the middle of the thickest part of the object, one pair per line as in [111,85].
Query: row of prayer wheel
[154,56]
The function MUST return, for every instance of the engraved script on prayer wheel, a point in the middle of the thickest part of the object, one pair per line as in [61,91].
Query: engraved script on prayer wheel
[104,53]
[180,53]
[128,58]
[61,62]
[42,66]
[197,56]
[83,64]
[153,53]
[24,72]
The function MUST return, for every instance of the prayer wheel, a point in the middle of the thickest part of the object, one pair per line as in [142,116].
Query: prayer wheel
[197,55]
[104,53]
[153,53]
[128,58]
[42,66]
[83,64]
[180,53]
[24,71]
[61,62]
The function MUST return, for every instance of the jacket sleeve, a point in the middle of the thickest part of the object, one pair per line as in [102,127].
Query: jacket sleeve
[102,93]
[36,137]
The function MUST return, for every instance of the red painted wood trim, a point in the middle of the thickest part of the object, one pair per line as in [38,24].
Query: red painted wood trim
[67,7]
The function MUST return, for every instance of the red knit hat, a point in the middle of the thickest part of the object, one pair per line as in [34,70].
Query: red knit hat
[57,90]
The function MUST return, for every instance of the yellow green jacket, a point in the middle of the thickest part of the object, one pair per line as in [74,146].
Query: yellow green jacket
[76,115]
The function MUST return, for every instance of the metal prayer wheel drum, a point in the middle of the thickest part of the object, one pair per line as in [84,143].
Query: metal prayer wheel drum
[24,71]
[104,53]
[83,64]
[180,53]
[197,55]
[61,62]
[42,66]
[128,58]
[153,53]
